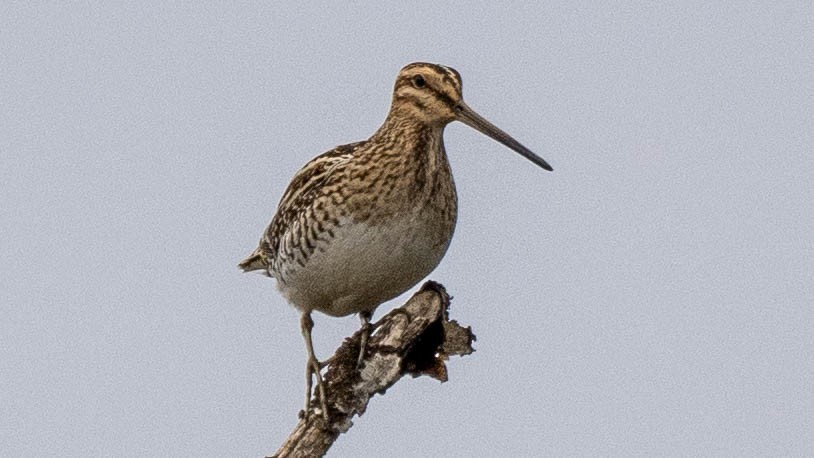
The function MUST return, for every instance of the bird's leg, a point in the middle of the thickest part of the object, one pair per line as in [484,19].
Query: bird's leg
[312,367]
[365,317]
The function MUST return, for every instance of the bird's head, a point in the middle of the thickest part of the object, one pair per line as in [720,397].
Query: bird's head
[431,94]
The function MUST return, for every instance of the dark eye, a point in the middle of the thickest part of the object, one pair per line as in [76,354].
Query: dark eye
[418,81]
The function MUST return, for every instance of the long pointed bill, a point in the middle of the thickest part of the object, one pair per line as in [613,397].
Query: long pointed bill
[468,116]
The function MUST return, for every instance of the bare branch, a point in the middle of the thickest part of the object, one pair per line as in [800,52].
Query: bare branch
[414,339]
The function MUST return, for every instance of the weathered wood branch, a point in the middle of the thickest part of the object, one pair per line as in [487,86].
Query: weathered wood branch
[414,339]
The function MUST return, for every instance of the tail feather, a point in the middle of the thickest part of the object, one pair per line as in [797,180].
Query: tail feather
[256,261]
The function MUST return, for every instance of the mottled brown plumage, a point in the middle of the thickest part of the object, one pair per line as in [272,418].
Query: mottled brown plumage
[364,222]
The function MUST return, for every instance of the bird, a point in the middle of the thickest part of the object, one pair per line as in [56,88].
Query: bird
[364,222]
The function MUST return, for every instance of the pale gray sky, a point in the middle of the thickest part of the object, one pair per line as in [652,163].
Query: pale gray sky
[652,296]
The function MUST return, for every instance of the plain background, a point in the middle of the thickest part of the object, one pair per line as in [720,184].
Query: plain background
[652,296]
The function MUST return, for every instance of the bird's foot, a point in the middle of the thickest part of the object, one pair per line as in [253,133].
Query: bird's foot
[312,369]
[365,335]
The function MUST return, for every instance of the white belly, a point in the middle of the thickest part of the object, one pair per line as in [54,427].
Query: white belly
[363,265]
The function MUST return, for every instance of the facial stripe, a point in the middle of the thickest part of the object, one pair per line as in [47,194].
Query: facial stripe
[447,74]
[409,92]
[452,77]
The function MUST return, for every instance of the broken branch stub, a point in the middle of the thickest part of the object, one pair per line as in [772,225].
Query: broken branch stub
[414,339]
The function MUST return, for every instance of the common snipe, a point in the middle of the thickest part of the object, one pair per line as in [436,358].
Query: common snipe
[364,222]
